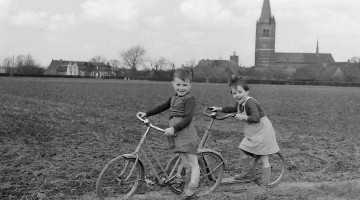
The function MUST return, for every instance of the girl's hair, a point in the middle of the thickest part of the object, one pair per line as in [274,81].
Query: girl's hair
[183,74]
[236,81]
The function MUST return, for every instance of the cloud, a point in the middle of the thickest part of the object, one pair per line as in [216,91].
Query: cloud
[108,10]
[58,21]
[4,8]
[29,18]
[324,21]
[155,21]
[206,12]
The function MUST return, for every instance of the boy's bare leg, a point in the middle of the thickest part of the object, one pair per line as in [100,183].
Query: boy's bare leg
[195,174]
[187,177]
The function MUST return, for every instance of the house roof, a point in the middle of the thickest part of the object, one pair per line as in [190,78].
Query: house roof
[303,58]
[215,68]
[61,66]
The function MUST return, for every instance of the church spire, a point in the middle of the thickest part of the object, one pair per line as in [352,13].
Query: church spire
[265,16]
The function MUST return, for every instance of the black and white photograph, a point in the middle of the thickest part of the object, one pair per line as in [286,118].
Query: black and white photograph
[179,100]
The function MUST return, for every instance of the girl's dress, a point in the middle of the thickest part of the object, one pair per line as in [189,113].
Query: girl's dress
[260,138]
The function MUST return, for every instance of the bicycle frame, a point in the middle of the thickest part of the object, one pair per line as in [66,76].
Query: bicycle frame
[205,138]
[138,150]
[207,133]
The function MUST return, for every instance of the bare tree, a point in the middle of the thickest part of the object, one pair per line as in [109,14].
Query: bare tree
[191,63]
[19,60]
[28,60]
[115,64]
[98,59]
[355,59]
[159,64]
[7,62]
[133,58]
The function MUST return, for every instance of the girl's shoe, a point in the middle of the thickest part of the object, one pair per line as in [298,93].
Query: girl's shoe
[192,197]
[243,176]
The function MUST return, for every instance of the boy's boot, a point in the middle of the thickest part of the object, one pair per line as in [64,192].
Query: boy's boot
[187,179]
[265,177]
[190,192]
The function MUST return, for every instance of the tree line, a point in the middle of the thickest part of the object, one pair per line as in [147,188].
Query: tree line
[134,59]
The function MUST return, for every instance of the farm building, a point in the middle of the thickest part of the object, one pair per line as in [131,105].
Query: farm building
[333,72]
[79,68]
[217,69]
[2,70]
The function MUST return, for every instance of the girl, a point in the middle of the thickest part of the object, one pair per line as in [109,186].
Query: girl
[182,135]
[259,137]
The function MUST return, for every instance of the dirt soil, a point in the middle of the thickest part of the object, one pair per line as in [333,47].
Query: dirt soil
[346,190]
[56,135]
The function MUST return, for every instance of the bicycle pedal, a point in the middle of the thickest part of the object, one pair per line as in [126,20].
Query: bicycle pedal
[149,182]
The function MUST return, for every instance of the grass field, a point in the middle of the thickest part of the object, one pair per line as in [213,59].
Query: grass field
[57,134]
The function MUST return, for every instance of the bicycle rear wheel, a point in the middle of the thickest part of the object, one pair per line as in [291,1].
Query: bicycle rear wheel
[278,168]
[211,172]
[120,178]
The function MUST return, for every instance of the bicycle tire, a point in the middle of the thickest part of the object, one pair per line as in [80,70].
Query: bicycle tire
[109,184]
[211,171]
[175,188]
[278,169]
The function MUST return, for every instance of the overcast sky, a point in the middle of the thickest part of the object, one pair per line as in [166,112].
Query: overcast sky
[179,30]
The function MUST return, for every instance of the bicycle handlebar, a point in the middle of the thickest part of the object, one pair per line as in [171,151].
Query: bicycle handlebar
[214,114]
[147,123]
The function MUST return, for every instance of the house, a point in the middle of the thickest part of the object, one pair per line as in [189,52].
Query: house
[217,69]
[79,68]
[340,72]
[3,70]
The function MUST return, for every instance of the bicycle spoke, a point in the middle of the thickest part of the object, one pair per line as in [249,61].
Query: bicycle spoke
[120,180]
[211,172]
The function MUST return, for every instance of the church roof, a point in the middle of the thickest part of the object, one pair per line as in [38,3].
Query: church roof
[303,58]
[265,16]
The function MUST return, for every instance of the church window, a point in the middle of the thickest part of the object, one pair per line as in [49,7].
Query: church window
[266,33]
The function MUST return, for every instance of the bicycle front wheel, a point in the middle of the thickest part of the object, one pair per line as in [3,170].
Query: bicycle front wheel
[211,172]
[278,168]
[119,179]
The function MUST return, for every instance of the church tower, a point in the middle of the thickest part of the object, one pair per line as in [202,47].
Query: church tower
[265,37]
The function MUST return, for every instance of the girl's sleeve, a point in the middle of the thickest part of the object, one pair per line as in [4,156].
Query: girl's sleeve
[160,108]
[189,112]
[253,112]
[230,109]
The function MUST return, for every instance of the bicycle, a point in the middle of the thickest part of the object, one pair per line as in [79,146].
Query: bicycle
[123,175]
[277,160]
